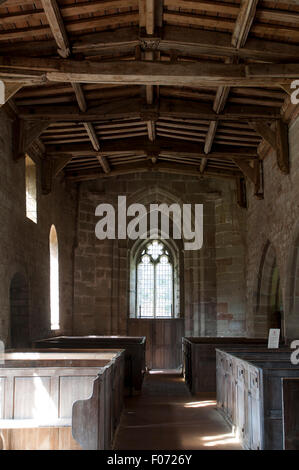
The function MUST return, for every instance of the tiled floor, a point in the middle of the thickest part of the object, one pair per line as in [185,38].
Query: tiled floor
[167,417]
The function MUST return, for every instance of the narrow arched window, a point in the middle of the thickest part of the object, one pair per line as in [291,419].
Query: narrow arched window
[31,202]
[155,281]
[54,279]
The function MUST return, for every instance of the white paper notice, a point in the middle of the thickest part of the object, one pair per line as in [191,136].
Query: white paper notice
[273,340]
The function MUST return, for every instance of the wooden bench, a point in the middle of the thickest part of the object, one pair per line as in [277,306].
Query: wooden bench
[199,359]
[249,394]
[60,400]
[134,353]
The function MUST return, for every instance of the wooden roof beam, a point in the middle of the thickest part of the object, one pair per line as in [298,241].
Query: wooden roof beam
[92,135]
[55,21]
[9,90]
[244,22]
[239,38]
[58,30]
[218,106]
[91,132]
[148,166]
[80,96]
[181,39]
[15,69]
[165,146]
[133,108]
[184,40]
[151,18]
[104,164]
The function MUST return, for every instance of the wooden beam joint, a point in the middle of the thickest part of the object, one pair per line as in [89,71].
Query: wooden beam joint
[25,132]
[50,168]
[252,173]
[278,139]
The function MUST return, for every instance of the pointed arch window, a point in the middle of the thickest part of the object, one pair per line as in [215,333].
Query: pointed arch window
[155,292]
[54,279]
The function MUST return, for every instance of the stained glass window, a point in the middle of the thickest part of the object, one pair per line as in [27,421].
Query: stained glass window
[155,282]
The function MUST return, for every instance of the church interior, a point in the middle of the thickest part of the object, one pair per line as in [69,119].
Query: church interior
[138,343]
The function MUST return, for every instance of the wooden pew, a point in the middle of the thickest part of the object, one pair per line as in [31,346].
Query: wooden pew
[199,359]
[134,353]
[60,400]
[249,394]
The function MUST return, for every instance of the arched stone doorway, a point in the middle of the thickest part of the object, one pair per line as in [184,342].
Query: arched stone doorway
[19,312]
[269,309]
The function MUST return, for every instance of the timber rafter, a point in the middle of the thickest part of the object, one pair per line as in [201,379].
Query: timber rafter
[132,84]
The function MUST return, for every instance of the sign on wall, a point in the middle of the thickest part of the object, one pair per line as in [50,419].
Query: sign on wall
[273,339]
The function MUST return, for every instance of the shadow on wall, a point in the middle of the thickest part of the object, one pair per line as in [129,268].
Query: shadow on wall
[19,312]
[269,307]
[292,291]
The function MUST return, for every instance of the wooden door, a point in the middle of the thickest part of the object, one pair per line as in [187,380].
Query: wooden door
[163,341]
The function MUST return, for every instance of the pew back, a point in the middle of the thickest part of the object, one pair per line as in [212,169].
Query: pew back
[199,359]
[46,390]
[134,353]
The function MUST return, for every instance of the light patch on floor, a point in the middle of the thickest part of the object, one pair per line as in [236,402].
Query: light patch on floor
[167,417]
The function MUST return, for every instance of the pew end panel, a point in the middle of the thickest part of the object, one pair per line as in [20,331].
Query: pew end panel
[255,378]
[40,393]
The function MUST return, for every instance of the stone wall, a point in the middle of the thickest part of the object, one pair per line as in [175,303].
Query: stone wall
[213,287]
[224,285]
[24,245]
[273,238]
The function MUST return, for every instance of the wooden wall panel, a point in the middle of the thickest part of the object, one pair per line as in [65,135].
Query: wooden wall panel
[39,439]
[44,394]
[71,390]
[31,397]
[2,396]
